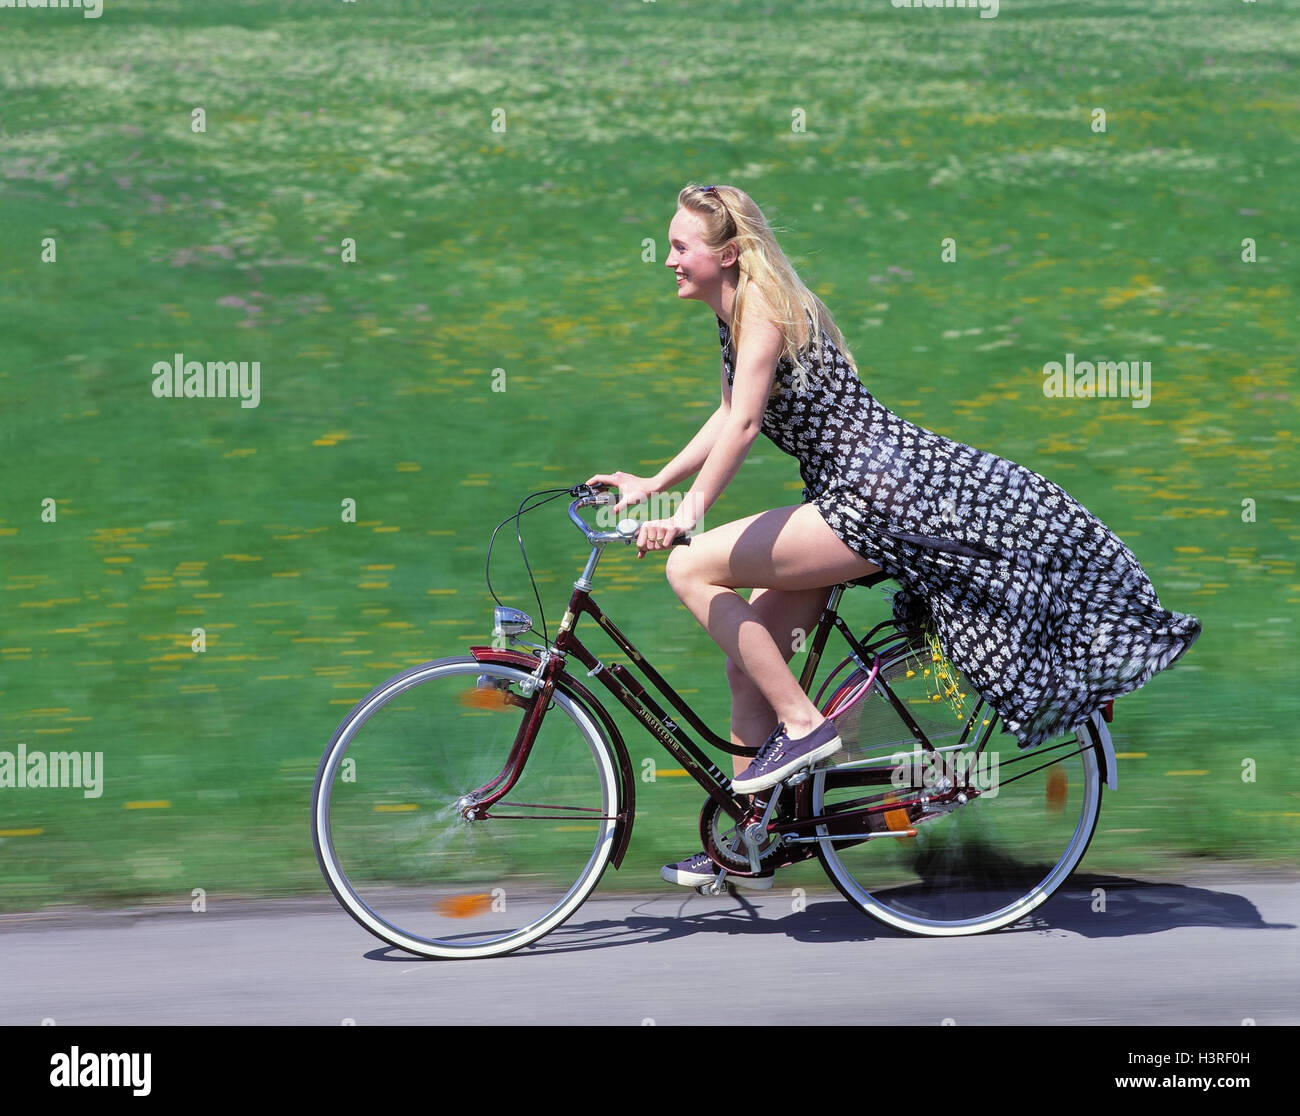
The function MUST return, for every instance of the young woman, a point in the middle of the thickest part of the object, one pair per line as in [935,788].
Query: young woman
[1046,612]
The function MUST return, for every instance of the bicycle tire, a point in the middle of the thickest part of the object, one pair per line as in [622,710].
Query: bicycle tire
[954,877]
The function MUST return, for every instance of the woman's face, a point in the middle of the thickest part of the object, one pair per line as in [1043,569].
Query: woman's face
[699,270]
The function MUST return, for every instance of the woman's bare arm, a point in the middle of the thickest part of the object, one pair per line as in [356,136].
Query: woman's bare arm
[755,371]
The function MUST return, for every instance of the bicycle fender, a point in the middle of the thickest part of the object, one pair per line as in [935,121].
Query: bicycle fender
[1107,751]
[593,708]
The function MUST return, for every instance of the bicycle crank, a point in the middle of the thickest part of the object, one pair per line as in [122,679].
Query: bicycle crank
[741,848]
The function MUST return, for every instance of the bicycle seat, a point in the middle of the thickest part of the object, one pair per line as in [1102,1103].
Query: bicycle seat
[870,579]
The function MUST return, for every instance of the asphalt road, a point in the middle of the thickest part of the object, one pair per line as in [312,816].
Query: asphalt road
[1217,950]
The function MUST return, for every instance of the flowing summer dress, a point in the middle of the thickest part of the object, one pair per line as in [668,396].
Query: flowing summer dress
[1032,597]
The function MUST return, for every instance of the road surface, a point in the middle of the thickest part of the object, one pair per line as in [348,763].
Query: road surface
[1219,949]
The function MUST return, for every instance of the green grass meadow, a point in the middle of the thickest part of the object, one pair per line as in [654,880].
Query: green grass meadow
[868,134]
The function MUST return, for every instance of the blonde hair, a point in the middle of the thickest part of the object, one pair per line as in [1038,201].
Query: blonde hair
[728,213]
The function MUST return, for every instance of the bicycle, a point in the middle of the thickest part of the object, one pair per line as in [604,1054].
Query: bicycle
[468,806]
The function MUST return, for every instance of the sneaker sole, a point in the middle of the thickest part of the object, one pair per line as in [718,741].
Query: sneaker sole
[685,879]
[692,879]
[751,883]
[749,786]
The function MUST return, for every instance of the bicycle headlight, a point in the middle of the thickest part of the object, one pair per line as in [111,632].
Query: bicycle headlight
[510,621]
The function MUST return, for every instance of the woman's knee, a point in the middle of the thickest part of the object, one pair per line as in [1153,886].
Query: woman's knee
[676,568]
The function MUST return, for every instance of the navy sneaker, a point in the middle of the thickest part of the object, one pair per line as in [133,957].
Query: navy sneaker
[698,870]
[780,756]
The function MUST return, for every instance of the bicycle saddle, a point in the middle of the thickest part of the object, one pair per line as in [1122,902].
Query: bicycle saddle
[870,579]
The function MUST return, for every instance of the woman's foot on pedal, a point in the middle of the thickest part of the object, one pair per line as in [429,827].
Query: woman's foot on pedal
[698,870]
[780,756]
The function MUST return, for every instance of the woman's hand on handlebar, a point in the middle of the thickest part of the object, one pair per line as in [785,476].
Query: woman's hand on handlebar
[657,534]
[631,489]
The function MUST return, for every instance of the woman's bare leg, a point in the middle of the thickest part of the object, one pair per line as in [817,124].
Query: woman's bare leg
[790,548]
[784,612]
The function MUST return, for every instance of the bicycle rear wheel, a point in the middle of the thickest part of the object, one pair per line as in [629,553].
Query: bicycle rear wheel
[969,867]
[393,819]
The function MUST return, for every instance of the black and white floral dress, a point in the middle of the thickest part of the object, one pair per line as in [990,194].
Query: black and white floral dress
[1046,612]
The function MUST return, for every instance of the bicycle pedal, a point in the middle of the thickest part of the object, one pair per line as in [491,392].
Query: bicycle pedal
[715,887]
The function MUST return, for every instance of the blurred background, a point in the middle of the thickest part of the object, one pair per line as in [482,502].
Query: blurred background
[384,203]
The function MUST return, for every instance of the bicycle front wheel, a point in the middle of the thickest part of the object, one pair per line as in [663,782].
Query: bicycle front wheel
[401,843]
[970,866]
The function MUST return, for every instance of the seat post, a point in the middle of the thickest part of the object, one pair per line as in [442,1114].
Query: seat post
[833,601]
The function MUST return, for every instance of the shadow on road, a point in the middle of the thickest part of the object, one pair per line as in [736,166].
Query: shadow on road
[1093,906]
[1127,906]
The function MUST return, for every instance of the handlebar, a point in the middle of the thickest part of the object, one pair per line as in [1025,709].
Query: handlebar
[598,495]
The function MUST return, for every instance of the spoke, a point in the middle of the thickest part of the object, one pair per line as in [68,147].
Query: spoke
[1041,766]
[542,817]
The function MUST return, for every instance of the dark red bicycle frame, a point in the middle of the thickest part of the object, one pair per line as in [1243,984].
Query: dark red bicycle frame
[636,698]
